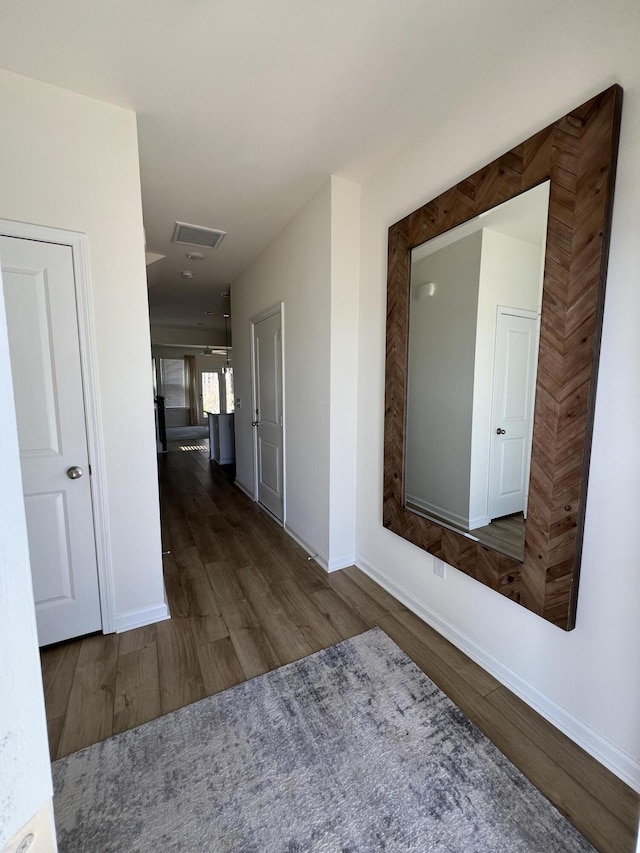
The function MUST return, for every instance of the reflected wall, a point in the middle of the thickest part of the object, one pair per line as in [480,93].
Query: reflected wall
[462,282]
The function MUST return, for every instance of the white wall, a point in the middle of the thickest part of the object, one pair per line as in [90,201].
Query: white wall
[186,337]
[25,773]
[72,162]
[345,271]
[295,269]
[312,267]
[587,680]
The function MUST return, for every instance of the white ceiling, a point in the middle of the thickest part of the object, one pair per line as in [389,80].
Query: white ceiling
[245,107]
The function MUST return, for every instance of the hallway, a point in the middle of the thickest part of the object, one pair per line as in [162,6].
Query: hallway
[245,600]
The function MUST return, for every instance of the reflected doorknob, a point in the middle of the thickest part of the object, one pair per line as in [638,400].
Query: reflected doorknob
[75,472]
[255,423]
[500,431]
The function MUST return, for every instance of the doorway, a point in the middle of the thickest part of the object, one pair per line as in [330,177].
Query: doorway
[49,329]
[268,411]
[514,386]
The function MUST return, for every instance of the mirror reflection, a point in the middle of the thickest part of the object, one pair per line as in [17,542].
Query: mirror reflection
[474,317]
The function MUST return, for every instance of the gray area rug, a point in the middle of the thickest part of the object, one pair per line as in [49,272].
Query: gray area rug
[351,749]
[182,433]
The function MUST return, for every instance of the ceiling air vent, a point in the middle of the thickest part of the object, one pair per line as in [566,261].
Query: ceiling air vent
[196,235]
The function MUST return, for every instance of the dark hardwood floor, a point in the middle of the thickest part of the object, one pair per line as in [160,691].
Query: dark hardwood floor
[245,600]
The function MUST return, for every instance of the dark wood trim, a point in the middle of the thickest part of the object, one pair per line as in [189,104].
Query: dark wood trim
[577,154]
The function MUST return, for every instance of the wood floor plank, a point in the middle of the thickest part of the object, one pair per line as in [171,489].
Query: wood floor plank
[137,698]
[346,622]
[178,666]
[285,637]
[239,614]
[204,537]
[316,628]
[256,544]
[54,732]
[58,669]
[384,598]
[598,780]
[89,716]
[224,582]
[271,568]
[176,599]
[365,606]
[231,543]
[179,531]
[169,566]
[254,651]
[203,499]
[219,665]
[306,573]
[199,596]
[476,677]
[208,629]
[136,639]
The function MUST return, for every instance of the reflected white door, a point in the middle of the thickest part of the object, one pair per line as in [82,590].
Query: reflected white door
[514,383]
[268,412]
[39,292]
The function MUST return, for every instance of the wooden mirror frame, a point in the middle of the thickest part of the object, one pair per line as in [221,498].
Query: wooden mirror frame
[577,154]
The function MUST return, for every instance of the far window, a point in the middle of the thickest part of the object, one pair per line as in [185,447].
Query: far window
[230,401]
[172,381]
[210,392]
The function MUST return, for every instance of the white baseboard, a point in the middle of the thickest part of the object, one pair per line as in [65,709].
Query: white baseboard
[342,562]
[479,521]
[623,765]
[140,617]
[42,827]
[458,521]
[321,559]
[244,489]
[333,565]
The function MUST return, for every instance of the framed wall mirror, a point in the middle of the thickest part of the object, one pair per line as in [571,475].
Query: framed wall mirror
[495,296]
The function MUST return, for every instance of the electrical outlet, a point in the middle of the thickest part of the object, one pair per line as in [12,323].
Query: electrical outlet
[439,567]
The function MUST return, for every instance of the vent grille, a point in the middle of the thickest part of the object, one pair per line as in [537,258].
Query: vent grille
[196,235]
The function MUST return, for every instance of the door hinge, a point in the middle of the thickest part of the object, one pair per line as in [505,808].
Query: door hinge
[89,466]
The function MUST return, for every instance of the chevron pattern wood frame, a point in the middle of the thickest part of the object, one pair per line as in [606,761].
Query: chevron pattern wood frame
[578,155]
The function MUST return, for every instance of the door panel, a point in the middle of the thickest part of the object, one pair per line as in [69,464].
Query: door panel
[39,291]
[269,466]
[513,401]
[267,348]
[26,298]
[48,530]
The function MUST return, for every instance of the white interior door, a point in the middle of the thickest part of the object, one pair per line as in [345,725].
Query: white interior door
[514,382]
[39,292]
[268,411]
